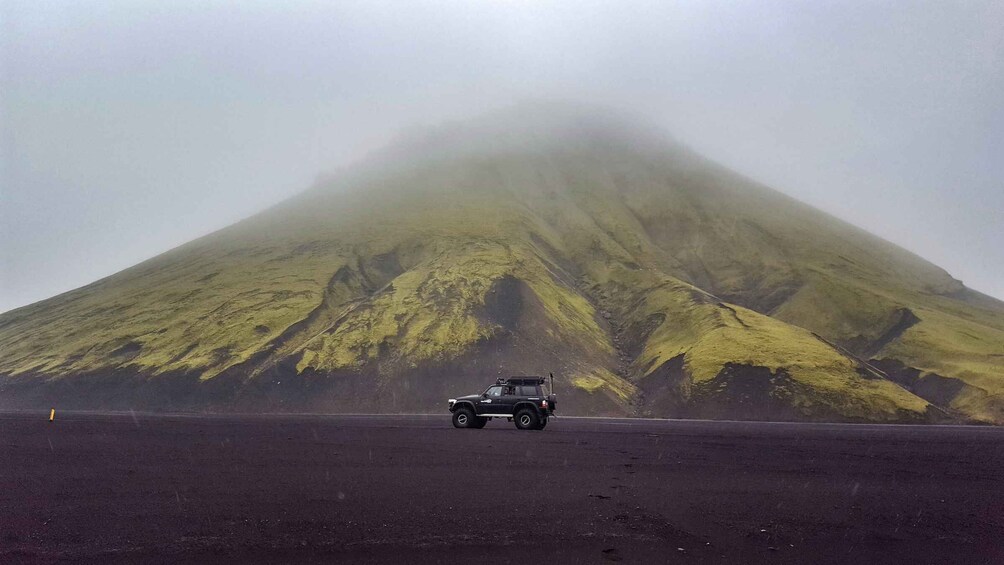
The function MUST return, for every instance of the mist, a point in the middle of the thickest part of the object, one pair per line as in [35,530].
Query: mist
[130,129]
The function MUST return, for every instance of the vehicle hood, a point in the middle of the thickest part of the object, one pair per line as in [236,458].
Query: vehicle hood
[469,397]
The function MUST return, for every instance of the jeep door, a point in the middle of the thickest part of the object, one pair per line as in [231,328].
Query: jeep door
[489,401]
[507,401]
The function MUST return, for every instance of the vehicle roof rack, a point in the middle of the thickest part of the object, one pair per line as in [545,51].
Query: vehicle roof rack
[525,381]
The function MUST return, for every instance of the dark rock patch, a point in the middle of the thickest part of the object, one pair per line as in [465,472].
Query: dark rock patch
[745,392]
[220,355]
[771,300]
[666,389]
[903,319]
[380,269]
[127,351]
[762,297]
[503,303]
[633,338]
[932,387]
[184,353]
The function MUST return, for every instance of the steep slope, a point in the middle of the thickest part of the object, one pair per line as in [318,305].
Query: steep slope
[650,280]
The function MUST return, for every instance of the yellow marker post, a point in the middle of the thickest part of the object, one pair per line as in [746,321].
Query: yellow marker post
[52,415]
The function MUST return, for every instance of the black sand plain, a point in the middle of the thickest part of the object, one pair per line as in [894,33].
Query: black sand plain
[144,488]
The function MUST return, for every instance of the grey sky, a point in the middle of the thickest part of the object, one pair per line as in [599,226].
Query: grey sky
[131,127]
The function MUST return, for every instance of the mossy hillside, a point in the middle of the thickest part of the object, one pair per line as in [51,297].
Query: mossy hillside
[631,255]
[681,320]
[452,274]
[431,311]
[753,339]
[748,244]
[203,311]
[948,346]
[467,239]
[606,381]
[848,314]
[950,337]
[692,322]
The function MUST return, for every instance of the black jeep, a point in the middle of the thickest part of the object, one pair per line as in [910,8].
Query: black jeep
[518,399]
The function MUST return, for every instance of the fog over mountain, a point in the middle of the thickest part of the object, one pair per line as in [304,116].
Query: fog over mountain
[126,129]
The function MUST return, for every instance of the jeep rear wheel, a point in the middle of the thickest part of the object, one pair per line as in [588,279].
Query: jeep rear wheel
[464,418]
[526,419]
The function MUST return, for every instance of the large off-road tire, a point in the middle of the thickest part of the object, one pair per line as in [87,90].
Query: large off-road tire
[479,422]
[464,418]
[526,419]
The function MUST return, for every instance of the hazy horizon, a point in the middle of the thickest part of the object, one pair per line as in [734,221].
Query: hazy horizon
[129,130]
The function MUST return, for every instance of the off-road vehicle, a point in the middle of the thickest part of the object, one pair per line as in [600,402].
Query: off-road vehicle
[518,399]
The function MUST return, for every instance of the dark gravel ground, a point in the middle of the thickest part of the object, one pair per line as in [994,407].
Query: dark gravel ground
[123,488]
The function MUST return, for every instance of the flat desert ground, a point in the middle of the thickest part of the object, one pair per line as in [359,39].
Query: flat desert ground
[143,488]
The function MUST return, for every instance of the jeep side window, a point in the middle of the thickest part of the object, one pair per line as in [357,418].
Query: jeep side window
[494,391]
[510,390]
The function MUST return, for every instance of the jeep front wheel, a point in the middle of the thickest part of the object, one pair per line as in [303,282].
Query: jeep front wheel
[526,420]
[464,418]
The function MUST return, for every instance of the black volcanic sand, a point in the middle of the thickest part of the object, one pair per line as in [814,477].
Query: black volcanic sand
[167,489]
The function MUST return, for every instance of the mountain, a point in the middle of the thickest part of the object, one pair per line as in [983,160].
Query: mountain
[650,280]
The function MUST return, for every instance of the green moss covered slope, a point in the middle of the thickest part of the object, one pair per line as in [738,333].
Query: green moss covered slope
[649,280]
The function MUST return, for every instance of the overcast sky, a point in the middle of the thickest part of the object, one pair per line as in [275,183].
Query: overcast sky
[127,128]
